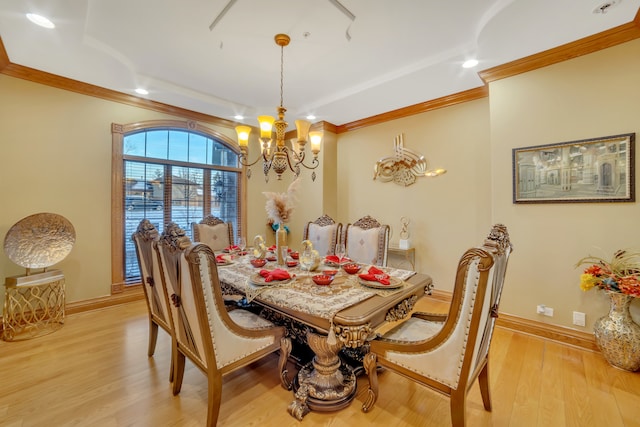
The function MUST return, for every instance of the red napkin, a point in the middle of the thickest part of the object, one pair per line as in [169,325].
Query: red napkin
[334,259]
[232,248]
[376,275]
[277,274]
[273,249]
[222,259]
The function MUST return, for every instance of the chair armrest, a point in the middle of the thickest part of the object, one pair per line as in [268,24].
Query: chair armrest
[433,317]
[406,341]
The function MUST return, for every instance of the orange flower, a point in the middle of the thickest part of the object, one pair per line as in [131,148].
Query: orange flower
[594,270]
[620,274]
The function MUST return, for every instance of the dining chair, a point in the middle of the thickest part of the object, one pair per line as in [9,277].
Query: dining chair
[216,341]
[448,352]
[324,233]
[218,235]
[213,232]
[144,238]
[367,241]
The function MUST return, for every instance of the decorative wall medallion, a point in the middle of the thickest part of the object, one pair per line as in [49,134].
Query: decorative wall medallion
[404,166]
[40,240]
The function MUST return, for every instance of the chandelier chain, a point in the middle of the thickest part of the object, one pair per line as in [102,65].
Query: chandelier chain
[281,75]
[280,157]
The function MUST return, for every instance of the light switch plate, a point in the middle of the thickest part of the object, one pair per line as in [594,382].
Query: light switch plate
[579,319]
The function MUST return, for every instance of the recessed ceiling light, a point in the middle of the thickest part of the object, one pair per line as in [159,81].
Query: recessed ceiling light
[40,20]
[311,117]
[141,91]
[470,63]
[238,117]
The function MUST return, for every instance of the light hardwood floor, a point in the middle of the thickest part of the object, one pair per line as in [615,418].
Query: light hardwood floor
[95,372]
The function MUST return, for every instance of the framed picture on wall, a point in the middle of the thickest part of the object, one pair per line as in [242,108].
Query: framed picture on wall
[584,171]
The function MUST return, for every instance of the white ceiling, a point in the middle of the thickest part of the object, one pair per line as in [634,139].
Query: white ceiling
[399,53]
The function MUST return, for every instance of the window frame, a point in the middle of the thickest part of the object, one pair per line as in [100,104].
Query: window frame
[118,132]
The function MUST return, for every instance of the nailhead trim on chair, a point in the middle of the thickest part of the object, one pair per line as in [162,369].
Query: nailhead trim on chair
[214,310]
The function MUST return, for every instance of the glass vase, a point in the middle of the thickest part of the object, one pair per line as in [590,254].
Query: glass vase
[281,240]
[617,335]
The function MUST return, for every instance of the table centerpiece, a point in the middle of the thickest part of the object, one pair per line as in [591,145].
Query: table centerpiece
[280,207]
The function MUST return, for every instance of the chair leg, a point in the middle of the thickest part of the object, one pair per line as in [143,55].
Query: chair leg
[214,398]
[178,374]
[173,358]
[370,363]
[457,403]
[483,382]
[153,337]
[285,351]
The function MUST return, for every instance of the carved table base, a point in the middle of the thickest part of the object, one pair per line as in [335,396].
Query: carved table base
[324,384]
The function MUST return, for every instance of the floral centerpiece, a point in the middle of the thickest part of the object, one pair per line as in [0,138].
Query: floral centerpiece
[620,274]
[617,335]
[280,207]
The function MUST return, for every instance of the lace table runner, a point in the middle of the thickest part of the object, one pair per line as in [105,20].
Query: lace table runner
[302,294]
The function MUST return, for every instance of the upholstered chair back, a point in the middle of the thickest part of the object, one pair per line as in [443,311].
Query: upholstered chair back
[171,246]
[448,352]
[466,315]
[222,335]
[215,340]
[214,232]
[367,241]
[499,246]
[324,233]
[145,236]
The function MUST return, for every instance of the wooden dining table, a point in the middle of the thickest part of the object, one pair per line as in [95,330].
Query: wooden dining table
[340,317]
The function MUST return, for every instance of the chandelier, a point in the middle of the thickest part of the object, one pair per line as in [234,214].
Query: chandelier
[280,157]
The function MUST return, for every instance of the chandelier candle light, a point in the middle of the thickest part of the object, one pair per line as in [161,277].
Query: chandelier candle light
[280,157]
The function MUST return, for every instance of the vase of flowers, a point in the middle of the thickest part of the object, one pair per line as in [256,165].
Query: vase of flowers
[279,209]
[616,334]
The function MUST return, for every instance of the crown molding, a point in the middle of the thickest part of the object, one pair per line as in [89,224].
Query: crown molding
[445,101]
[594,43]
[609,38]
[53,80]
[4,58]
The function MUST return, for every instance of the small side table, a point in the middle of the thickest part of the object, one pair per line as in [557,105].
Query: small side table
[408,257]
[33,305]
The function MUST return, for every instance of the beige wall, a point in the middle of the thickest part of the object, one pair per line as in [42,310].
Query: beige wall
[55,148]
[591,96]
[587,97]
[448,213]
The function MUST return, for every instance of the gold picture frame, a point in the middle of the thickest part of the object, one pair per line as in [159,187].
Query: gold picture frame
[584,171]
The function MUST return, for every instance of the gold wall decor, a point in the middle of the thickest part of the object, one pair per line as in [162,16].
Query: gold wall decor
[404,166]
[39,241]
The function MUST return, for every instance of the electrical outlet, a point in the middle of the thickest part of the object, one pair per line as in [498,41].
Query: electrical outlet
[579,318]
[543,309]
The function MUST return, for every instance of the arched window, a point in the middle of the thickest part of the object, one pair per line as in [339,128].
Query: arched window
[169,171]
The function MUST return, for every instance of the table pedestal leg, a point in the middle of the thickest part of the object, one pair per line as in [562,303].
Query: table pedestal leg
[324,384]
